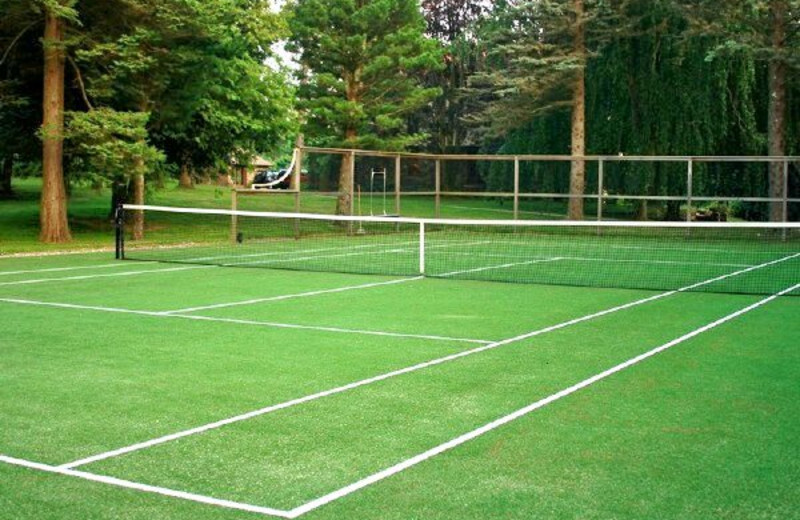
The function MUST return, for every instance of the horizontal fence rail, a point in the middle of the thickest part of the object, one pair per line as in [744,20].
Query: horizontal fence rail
[688,196]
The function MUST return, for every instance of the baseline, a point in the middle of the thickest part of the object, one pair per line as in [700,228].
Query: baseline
[93,276]
[58,269]
[193,497]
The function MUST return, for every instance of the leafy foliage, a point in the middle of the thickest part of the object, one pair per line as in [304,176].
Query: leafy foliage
[362,63]
[111,144]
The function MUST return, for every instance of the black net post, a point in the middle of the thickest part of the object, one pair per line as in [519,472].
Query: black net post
[119,229]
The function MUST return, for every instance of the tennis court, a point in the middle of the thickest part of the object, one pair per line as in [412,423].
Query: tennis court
[207,381]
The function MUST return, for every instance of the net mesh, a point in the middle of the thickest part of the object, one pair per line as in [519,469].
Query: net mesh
[719,258]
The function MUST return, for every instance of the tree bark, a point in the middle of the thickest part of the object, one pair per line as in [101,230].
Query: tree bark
[777,107]
[185,179]
[54,227]
[138,198]
[6,192]
[344,203]
[577,178]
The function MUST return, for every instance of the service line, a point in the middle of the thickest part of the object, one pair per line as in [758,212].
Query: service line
[293,296]
[235,321]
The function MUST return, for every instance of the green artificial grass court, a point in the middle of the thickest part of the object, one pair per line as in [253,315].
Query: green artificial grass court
[102,355]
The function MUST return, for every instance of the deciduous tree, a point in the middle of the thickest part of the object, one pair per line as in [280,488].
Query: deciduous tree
[769,31]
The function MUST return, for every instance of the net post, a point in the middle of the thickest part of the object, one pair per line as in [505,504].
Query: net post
[397,185]
[234,219]
[422,248]
[438,181]
[119,230]
[516,188]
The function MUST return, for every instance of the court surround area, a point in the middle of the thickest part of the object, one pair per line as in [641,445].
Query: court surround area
[181,384]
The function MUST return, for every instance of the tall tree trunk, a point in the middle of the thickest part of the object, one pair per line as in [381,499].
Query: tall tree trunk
[6,192]
[577,178]
[777,107]
[53,212]
[344,203]
[138,198]
[185,179]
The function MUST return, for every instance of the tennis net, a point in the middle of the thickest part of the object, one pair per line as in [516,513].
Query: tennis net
[748,258]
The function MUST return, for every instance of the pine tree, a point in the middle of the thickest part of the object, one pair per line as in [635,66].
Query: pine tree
[537,59]
[455,23]
[362,62]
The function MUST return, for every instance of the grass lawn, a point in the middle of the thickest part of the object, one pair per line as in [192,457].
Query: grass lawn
[91,226]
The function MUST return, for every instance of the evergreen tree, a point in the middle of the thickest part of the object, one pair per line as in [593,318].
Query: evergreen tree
[362,62]
[455,23]
[538,54]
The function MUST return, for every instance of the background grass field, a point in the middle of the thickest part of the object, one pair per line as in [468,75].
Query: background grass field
[98,355]
[91,225]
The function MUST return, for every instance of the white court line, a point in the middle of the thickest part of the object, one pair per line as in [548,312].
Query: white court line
[382,252]
[667,249]
[299,251]
[395,373]
[57,269]
[610,260]
[500,266]
[243,322]
[293,296]
[92,276]
[112,481]
[413,461]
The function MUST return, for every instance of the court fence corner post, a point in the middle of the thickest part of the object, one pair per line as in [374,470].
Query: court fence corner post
[119,230]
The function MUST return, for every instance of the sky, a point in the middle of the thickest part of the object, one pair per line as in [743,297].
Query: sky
[283,57]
